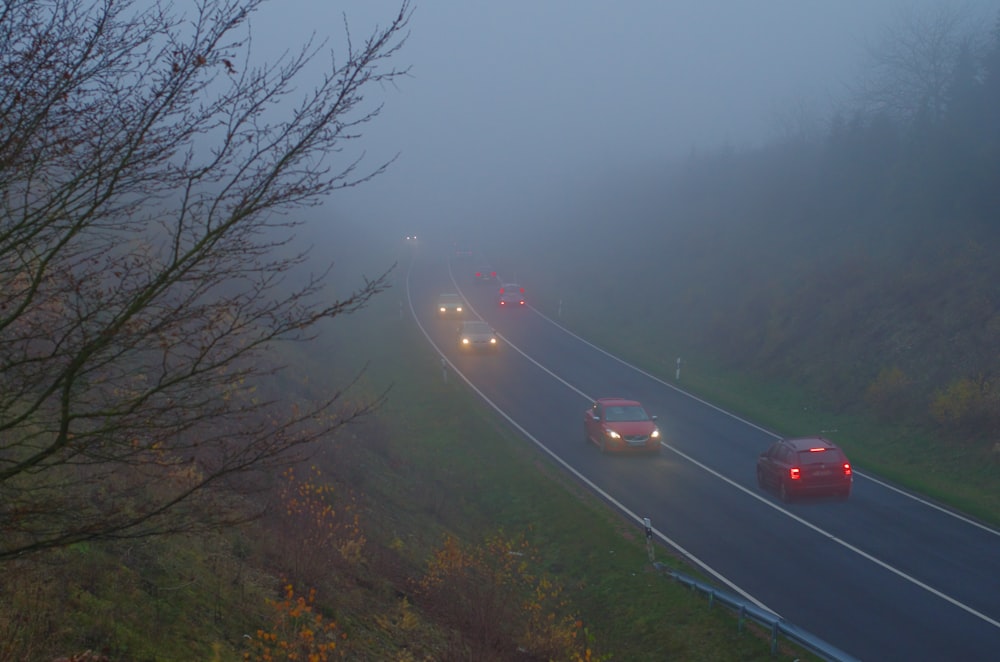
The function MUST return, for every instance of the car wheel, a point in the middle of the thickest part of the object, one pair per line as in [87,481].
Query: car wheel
[784,493]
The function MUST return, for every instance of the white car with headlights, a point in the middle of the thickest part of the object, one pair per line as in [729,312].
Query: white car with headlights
[450,305]
[477,335]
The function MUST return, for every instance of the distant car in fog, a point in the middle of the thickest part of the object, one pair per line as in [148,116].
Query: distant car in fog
[805,465]
[511,295]
[411,238]
[619,425]
[485,274]
[476,335]
[450,305]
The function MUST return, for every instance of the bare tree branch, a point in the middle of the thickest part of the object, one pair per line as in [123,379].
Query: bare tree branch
[910,65]
[145,182]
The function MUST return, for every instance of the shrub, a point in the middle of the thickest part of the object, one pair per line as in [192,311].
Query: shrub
[887,394]
[966,403]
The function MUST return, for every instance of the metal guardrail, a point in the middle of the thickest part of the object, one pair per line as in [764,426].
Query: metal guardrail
[777,625]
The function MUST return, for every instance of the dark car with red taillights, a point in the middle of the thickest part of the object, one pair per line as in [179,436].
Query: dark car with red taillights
[802,466]
[511,295]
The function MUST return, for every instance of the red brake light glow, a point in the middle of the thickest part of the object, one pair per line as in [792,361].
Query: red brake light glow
[847,468]
[795,473]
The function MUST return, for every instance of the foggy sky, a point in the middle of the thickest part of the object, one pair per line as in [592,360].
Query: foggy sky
[512,101]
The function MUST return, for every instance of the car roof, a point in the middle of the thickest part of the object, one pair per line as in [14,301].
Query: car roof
[449,295]
[618,402]
[805,443]
[476,324]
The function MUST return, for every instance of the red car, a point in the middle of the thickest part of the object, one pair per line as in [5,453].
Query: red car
[805,465]
[620,425]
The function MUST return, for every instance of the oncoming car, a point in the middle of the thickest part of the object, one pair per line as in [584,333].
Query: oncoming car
[450,305]
[476,335]
[620,425]
[511,295]
[805,465]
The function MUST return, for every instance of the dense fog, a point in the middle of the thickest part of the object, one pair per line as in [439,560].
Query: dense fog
[511,108]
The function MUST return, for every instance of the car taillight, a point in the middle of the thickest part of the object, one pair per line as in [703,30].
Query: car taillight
[501,290]
[493,274]
[479,274]
[522,290]
[847,468]
[503,303]
[795,473]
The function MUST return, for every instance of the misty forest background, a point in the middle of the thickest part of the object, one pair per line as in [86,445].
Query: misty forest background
[853,257]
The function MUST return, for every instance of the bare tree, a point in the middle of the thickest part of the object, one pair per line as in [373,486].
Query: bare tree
[910,65]
[147,174]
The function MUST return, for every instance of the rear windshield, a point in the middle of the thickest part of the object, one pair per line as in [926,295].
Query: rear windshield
[818,457]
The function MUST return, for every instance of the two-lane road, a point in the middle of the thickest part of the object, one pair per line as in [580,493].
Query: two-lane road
[883,576]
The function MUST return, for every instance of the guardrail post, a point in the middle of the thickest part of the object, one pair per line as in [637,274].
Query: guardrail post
[678,374]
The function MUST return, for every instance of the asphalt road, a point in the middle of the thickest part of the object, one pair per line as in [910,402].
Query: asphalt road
[883,576]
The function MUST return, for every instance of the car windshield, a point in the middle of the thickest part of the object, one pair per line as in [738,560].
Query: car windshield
[449,298]
[477,327]
[625,413]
